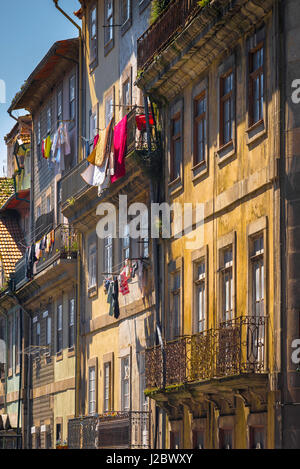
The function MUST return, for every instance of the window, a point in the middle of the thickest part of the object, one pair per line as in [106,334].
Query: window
[126,94]
[93,31]
[200,297]
[225,438]
[108,254]
[49,120]
[48,330]
[58,433]
[39,139]
[107,387]
[198,439]
[256,84]
[17,339]
[125,10]
[71,322]
[125,384]
[38,334]
[38,211]
[126,244]
[48,201]
[92,390]
[72,97]
[144,400]
[109,109]
[176,147]
[257,262]
[257,438]
[175,440]
[59,330]
[92,265]
[200,129]
[174,323]
[226,108]
[109,21]
[10,343]
[59,106]
[227,285]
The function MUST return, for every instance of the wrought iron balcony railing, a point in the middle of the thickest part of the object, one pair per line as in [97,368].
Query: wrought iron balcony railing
[117,430]
[163,30]
[237,346]
[65,246]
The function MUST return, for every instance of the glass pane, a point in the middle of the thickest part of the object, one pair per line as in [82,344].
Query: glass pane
[176,126]
[177,157]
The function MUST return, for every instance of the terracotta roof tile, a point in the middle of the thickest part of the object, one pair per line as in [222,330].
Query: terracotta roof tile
[12,244]
[6,190]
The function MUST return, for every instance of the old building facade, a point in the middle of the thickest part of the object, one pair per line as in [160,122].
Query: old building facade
[225,354]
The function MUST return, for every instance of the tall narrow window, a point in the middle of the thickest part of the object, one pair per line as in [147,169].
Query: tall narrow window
[200,129]
[225,438]
[49,119]
[17,339]
[176,147]
[144,400]
[256,84]
[92,266]
[48,331]
[72,97]
[71,322]
[257,438]
[48,202]
[38,334]
[200,297]
[92,390]
[227,285]
[125,384]
[126,244]
[109,109]
[93,31]
[198,439]
[174,321]
[107,387]
[39,139]
[109,21]
[257,260]
[10,343]
[175,440]
[125,10]
[226,108]
[59,106]
[59,329]
[126,94]
[108,254]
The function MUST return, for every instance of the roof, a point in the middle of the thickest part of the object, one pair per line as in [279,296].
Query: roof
[12,244]
[15,201]
[46,74]
[20,130]
[6,190]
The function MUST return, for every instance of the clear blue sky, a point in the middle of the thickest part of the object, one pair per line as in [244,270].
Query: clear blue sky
[28,28]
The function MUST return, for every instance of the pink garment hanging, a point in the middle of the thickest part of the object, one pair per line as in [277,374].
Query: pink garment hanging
[120,140]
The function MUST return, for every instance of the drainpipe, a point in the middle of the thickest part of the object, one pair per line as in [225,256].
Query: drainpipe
[4,313]
[80,76]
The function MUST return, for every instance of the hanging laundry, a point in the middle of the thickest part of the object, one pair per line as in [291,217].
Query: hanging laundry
[110,298]
[47,147]
[43,148]
[106,284]
[120,141]
[116,299]
[124,289]
[134,269]
[61,146]
[38,252]
[141,121]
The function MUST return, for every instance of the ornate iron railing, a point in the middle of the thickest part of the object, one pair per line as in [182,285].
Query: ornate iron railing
[117,430]
[163,30]
[65,246]
[237,346]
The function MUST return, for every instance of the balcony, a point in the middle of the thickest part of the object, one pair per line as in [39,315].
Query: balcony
[114,430]
[156,37]
[65,246]
[236,347]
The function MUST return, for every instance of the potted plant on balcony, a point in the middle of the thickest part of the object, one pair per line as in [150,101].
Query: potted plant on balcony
[61,444]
